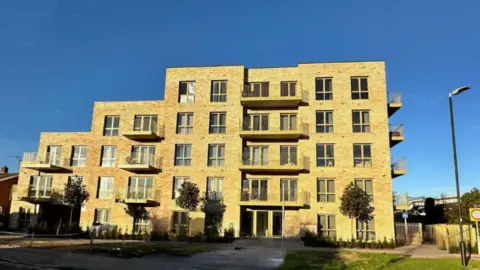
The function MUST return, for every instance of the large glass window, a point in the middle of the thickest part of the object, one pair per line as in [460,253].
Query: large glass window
[216,154]
[255,155]
[187,92]
[288,89]
[140,188]
[218,123]
[102,215]
[40,186]
[183,155]
[184,123]
[219,91]
[255,122]
[365,185]
[109,156]
[145,123]
[326,226]
[288,190]
[323,89]
[288,155]
[215,188]
[366,230]
[324,121]
[359,87]
[362,155]
[325,155]
[288,121]
[111,125]
[361,121]
[105,188]
[325,190]
[177,184]
[254,189]
[79,156]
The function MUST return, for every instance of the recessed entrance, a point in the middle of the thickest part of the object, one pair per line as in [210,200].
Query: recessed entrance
[277,224]
[262,223]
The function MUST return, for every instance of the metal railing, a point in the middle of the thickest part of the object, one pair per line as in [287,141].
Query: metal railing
[249,127]
[262,195]
[38,193]
[400,165]
[140,159]
[394,97]
[154,127]
[401,199]
[273,91]
[301,162]
[396,130]
[139,194]
[51,159]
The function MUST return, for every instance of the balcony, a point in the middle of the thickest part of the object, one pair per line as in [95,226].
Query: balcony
[141,196]
[38,194]
[396,133]
[49,162]
[271,165]
[140,163]
[248,131]
[401,202]
[261,197]
[272,96]
[149,132]
[394,102]
[399,168]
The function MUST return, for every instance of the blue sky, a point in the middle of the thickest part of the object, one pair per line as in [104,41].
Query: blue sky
[58,57]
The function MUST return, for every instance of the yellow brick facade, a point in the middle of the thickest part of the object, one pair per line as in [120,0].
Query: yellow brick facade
[236,76]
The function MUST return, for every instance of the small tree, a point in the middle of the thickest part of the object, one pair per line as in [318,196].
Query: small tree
[188,198]
[75,195]
[468,200]
[214,208]
[355,204]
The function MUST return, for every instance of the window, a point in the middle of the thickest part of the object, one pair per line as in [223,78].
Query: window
[288,89]
[255,122]
[141,223]
[288,190]
[365,185]
[256,89]
[254,189]
[187,92]
[40,186]
[140,188]
[102,215]
[109,155]
[216,154]
[24,218]
[326,226]
[361,121]
[359,87]
[218,123]
[324,121]
[323,89]
[145,123]
[183,155]
[325,155]
[362,155]
[366,230]
[288,155]
[177,184]
[219,91]
[54,154]
[255,155]
[180,222]
[215,188]
[325,190]
[111,124]
[79,156]
[105,188]
[184,123]
[142,155]
[288,121]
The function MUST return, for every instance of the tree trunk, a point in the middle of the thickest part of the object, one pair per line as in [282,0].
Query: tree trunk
[70,222]
[351,227]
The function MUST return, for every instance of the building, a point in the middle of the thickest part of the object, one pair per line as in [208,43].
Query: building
[238,133]
[7,182]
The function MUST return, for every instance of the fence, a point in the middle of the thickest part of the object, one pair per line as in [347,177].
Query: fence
[413,234]
[446,236]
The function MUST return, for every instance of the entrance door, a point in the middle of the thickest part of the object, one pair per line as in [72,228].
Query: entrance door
[262,223]
[277,223]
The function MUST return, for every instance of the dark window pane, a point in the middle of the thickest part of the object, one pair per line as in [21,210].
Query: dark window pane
[330,153]
[355,95]
[328,85]
[183,88]
[357,150]
[364,95]
[354,84]
[320,117]
[328,96]
[320,150]
[364,84]
[319,84]
[366,151]
[356,117]
[321,163]
[283,89]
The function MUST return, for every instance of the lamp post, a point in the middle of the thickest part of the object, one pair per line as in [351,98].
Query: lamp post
[452,125]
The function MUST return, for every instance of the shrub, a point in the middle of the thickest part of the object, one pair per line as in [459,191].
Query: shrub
[391,244]
[379,244]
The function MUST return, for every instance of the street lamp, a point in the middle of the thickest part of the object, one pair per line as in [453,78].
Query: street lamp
[452,125]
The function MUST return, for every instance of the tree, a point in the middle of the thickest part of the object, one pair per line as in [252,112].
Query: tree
[355,204]
[75,195]
[188,198]
[468,200]
[214,210]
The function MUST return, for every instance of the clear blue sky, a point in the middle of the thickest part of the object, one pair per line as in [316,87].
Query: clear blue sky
[58,57]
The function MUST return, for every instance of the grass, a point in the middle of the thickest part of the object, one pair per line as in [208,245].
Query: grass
[367,261]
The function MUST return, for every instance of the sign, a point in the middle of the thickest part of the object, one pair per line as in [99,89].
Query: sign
[475,214]
[404,215]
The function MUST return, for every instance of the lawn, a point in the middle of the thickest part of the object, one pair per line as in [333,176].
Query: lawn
[367,261]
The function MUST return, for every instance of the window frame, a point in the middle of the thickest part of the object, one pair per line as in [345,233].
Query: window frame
[365,230]
[249,123]
[112,130]
[215,193]
[291,125]
[329,161]
[109,156]
[363,186]
[79,160]
[326,126]
[152,122]
[362,126]
[257,89]
[105,191]
[183,159]
[291,156]
[217,96]
[215,124]
[250,160]
[214,157]
[188,97]
[184,128]
[327,194]
[360,93]
[177,222]
[134,187]
[38,190]
[177,184]
[290,87]
[324,92]
[362,161]
[329,230]
[259,194]
[291,193]
[101,214]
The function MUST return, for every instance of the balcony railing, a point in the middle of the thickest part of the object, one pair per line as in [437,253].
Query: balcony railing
[394,102]
[248,130]
[399,168]
[261,196]
[37,194]
[151,131]
[396,133]
[401,201]
[272,96]
[139,195]
[47,162]
[301,163]
[140,162]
